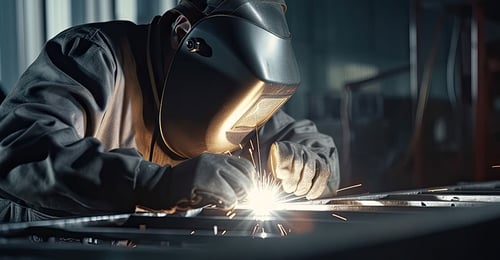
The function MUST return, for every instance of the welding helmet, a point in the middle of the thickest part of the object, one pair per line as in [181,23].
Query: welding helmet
[232,71]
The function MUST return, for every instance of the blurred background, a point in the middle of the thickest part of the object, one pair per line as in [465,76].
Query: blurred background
[409,89]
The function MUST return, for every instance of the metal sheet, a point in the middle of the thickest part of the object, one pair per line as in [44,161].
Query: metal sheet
[327,227]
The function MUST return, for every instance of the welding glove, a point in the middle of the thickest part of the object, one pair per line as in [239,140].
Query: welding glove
[210,179]
[301,171]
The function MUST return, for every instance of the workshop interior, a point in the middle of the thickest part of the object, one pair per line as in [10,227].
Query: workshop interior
[408,89]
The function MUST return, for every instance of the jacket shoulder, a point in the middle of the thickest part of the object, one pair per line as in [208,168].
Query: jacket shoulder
[98,32]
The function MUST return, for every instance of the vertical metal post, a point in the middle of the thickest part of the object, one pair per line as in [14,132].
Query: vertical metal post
[126,10]
[167,5]
[415,81]
[30,31]
[479,92]
[415,46]
[8,44]
[58,16]
[23,35]
[99,10]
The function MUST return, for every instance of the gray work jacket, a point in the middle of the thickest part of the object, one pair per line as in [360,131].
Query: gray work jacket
[76,131]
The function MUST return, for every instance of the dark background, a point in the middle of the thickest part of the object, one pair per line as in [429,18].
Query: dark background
[408,88]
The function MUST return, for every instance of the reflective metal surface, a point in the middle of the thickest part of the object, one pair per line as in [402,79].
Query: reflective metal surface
[454,221]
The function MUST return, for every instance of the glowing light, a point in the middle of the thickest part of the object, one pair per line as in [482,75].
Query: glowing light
[262,201]
[215,229]
[370,203]
[265,197]
[259,231]
[262,234]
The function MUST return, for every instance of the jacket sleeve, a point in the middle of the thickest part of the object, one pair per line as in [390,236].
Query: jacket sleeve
[48,161]
[282,127]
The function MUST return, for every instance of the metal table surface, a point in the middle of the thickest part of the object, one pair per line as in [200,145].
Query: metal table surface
[456,221]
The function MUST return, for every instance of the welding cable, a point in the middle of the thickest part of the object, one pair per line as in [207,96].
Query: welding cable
[425,88]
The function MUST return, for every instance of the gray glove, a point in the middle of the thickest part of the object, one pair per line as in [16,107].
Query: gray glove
[301,171]
[216,179]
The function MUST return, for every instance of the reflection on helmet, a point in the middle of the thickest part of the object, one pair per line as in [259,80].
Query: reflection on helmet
[233,71]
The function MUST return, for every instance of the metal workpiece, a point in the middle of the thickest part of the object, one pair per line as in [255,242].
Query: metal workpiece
[354,226]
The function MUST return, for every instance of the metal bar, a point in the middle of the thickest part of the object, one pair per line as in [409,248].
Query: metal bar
[362,205]
[480,93]
[89,220]
[415,47]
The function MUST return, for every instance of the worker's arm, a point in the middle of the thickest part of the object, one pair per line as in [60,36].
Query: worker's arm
[50,161]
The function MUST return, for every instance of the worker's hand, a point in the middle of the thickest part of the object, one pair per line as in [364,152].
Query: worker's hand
[300,170]
[210,179]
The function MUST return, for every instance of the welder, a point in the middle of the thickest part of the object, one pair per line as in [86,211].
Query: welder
[178,114]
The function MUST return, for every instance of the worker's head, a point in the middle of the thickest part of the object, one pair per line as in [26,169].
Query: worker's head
[234,67]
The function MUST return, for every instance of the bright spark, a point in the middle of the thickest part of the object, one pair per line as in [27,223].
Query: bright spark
[350,187]
[264,199]
[339,217]
[259,231]
[282,230]
[255,228]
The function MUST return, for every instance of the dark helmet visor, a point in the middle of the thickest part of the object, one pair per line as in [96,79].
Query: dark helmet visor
[227,79]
